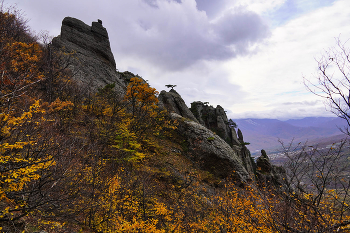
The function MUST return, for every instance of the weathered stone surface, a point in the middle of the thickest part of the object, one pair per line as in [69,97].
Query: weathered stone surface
[92,63]
[235,141]
[173,102]
[263,164]
[240,136]
[210,151]
[246,159]
[214,119]
[269,174]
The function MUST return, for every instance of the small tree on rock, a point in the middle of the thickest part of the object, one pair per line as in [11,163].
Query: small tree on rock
[171,86]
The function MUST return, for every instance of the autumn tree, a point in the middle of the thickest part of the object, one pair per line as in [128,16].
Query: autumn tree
[28,144]
[146,117]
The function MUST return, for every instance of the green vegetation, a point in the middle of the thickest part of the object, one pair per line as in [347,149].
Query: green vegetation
[210,139]
[170,86]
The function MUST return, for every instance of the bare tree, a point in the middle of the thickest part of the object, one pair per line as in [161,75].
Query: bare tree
[333,81]
[318,184]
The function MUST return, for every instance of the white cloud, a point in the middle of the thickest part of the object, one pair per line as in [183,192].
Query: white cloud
[261,6]
[274,75]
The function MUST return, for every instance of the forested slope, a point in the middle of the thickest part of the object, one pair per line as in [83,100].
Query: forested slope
[74,159]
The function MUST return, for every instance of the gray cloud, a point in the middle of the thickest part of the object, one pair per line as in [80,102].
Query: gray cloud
[284,114]
[212,8]
[241,28]
[176,35]
[152,3]
[169,34]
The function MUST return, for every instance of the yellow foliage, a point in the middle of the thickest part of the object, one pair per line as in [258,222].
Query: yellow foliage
[18,170]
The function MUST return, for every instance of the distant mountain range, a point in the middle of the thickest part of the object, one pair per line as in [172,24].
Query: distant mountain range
[266,133]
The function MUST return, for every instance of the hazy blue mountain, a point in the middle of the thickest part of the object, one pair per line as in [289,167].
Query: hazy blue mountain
[266,133]
[329,122]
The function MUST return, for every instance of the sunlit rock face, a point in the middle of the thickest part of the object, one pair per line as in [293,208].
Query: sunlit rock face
[91,59]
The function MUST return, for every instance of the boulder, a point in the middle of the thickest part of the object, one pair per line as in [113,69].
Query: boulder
[173,102]
[210,151]
[91,59]
[268,174]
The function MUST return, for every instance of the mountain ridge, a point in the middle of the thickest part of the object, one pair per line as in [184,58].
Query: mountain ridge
[266,133]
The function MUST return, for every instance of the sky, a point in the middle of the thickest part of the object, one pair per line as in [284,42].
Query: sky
[248,56]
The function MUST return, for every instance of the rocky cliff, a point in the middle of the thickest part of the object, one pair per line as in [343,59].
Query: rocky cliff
[210,141]
[216,120]
[268,174]
[173,102]
[210,151]
[91,58]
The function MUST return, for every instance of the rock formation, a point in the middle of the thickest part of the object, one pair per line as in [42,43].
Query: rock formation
[216,120]
[207,143]
[92,61]
[173,102]
[267,173]
[210,151]
[246,158]
[212,142]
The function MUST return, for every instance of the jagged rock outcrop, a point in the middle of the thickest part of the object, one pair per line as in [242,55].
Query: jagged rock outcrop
[173,102]
[210,151]
[92,62]
[240,136]
[246,159]
[209,141]
[214,119]
[267,173]
[239,144]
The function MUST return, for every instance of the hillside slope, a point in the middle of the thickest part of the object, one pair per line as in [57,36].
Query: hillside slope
[101,156]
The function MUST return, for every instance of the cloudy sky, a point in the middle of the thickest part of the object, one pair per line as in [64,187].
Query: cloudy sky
[249,56]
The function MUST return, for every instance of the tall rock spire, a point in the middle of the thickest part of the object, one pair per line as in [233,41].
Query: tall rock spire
[92,60]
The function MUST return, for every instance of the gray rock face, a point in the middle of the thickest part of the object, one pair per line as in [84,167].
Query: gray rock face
[246,159]
[92,62]
[240,136]
[173,102]
[210,151]
[214,119]
[235,141]
[268,174]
